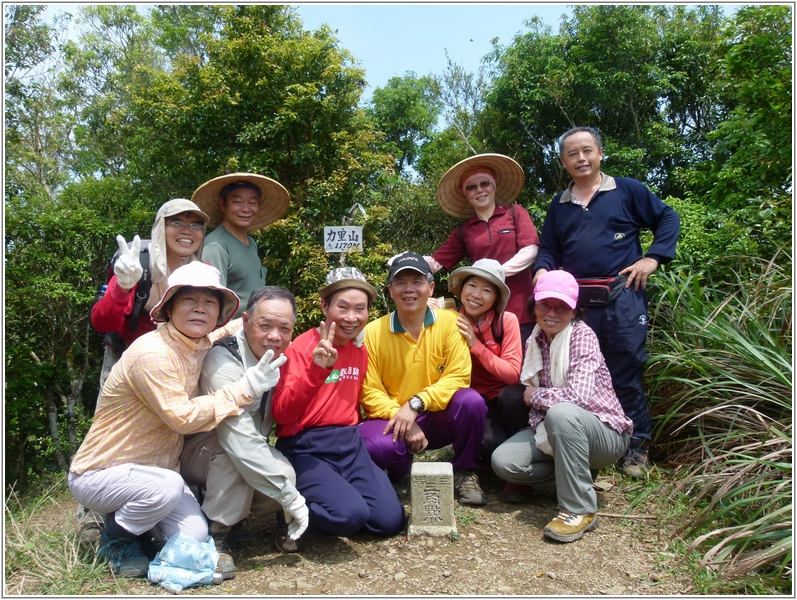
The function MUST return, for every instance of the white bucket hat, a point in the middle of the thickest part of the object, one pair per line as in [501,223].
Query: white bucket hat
[488,269]
[274,198]
[198,275]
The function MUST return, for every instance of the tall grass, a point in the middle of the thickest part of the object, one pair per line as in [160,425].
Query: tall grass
[42,553]
[720,382]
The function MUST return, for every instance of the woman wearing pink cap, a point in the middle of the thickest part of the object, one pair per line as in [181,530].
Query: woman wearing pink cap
[483,189]
[576,421]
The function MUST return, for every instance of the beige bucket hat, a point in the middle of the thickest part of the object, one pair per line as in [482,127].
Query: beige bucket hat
[274,198]
[488,269]
[509,181]
[344,278]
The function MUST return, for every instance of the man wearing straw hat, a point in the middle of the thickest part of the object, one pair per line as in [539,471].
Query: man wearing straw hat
[237,204]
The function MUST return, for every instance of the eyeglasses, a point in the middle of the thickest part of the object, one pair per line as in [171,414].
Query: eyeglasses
[559,308]
[485,185]
[181,225]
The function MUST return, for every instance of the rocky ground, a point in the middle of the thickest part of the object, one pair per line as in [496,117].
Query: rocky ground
[499,550]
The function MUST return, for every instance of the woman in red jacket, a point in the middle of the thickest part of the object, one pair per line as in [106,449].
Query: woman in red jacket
[493,336]
[483,189]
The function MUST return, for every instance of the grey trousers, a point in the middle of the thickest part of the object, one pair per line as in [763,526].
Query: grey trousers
[580,442]
[143,498]
[239,470]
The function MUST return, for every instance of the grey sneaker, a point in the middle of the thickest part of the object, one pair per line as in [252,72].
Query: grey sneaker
[466,485]
[226,566]
[635,463]
[123,555]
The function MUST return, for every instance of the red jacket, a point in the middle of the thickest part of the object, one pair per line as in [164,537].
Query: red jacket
[310,396]
[112,313]
[499,238]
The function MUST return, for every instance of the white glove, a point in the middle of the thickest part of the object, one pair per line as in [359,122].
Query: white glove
[297,517]
[263,376]
[128,267]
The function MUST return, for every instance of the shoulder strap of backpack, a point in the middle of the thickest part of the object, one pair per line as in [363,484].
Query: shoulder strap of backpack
[461,235]
[144,286]
[512,216]
[230,343]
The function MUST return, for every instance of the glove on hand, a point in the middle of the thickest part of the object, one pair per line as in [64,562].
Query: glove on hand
[128,267]
[263,376]
[297,517]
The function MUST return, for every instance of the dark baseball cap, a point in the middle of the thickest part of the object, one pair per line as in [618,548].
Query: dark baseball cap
[408,260]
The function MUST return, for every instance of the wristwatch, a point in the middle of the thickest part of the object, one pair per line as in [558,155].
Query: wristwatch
[417,404]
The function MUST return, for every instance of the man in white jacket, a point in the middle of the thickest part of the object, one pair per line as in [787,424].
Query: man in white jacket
[235,464]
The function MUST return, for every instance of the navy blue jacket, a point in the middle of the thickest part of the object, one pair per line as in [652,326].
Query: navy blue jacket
[602,239]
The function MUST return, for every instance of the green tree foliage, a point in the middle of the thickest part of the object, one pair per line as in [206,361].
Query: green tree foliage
[619,69]
[749,174]
[405,111]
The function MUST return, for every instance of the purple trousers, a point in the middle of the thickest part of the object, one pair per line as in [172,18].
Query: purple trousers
[461,424]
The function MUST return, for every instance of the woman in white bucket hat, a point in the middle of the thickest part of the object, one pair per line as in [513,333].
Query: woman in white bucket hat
[127,467]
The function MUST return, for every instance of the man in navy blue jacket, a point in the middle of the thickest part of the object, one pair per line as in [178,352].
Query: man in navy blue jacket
[592,231]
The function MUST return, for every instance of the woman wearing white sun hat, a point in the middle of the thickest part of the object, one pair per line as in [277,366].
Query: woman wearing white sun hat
[493,336]
[483,189]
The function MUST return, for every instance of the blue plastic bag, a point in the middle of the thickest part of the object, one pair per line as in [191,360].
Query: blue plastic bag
[184,562]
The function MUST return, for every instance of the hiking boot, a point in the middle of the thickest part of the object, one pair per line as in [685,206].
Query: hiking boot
[402,485]
[123,555]
[568,527]
[517,493]
[281,540]
[226,566]
[466,485]
[90,526]
[635,463]
[238,536]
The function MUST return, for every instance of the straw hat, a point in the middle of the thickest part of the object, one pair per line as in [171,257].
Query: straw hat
[199,275]
[274,198]
[488,269]
[508,183]
[344,278]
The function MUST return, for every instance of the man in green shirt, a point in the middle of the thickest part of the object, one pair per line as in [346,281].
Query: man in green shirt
[237,204]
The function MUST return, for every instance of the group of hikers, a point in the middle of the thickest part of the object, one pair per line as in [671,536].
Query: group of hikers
[537,375]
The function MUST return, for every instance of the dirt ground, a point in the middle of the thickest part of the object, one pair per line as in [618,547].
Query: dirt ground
[499,550]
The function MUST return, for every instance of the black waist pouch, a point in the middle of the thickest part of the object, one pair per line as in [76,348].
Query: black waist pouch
[600,291]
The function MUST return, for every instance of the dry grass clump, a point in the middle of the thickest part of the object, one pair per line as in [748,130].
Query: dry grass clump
[721,394]
[45,557]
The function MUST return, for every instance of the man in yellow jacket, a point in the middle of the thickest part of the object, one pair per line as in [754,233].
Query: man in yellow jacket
[417,388]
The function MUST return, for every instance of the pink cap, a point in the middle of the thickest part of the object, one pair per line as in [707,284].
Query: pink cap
[557,284]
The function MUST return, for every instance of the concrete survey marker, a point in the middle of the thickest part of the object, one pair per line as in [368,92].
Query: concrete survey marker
[432,499]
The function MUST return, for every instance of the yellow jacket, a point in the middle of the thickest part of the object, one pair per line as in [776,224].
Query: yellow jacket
[434,367]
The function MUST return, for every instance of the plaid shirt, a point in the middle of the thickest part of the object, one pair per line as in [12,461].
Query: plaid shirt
[150,400]
[589,380]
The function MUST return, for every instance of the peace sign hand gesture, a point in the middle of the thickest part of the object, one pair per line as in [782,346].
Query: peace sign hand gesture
[325,353]
[127,267]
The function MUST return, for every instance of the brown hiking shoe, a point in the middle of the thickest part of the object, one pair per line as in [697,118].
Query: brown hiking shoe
[466,485]
[568,527]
